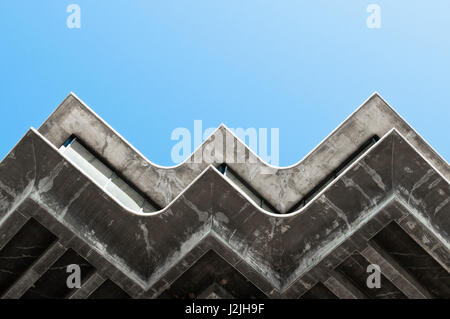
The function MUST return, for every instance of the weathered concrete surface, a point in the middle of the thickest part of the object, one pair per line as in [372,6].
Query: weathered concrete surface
[283,255]
[282,187]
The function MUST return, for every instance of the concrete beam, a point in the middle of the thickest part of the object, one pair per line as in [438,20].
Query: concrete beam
[36,270]
[88,287]
[398,275]
[342,287]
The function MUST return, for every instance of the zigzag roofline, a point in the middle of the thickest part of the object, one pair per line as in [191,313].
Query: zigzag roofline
[223,125]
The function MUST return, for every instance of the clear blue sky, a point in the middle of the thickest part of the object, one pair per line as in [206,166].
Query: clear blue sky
[148,67]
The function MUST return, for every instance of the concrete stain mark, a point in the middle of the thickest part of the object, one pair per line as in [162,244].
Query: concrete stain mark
[46,183]
[148,247]
[284,228]
[333,227]
[74,198]
[411,198]
[234,232]
[274,223]
[307,247]
[285,181]
[236,243]
[420,182]
[168,185]
[4,202]
[305,284]
[374,175]
[221,217]
[202,215]
[338,211]
[441,205]
[254,170]
[425,240]
[246,205]
[105,145]
[411,225]
[90,235]
[434,183]
[18,199]
[348,182]
[408,170]
[7,189]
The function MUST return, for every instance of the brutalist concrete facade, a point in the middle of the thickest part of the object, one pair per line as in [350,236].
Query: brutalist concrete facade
[373,192]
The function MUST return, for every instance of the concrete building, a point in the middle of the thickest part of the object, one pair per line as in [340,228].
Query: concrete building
[372,192]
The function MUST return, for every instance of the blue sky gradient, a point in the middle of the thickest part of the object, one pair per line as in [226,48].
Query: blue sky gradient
[148,67]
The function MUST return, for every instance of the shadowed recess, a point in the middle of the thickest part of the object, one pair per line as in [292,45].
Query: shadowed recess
[21,251]
[109,290]
[355,269]
[318,291]
[414,259]
[53,284]
[210,269]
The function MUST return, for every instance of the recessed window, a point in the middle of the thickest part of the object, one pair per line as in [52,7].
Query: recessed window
[105,177]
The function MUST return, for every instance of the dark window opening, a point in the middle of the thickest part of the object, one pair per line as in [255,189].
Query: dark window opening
[249,190]
[105,176]
[330,177]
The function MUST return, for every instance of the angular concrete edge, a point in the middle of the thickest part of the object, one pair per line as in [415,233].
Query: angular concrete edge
[113,272]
